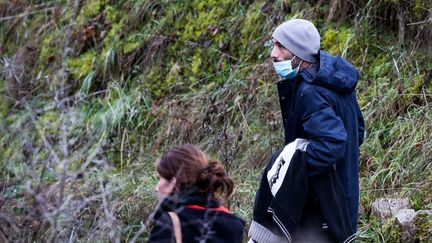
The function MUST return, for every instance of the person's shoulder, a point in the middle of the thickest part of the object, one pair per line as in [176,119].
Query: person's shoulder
[234,218]
[308,89]
[229,216]
[312,87]
[313,95]
[226,216]
[234,222]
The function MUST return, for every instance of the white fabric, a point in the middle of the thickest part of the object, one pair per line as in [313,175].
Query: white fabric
[276,175]
[260,234]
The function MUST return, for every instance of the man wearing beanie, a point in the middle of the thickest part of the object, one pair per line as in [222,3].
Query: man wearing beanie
[309,190]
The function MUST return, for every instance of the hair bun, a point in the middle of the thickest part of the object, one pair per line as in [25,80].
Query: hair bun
[214,179]
[191,167]
[216,168]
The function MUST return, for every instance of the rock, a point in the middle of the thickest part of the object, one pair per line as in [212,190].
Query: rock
[405,218]
[386,207]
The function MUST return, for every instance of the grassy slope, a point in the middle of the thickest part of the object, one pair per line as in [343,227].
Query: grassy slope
[110,85]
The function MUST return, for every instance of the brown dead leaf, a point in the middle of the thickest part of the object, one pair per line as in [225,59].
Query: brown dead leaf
[89,32]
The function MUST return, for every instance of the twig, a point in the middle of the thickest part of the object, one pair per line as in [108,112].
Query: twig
[108,214]
[122,149]
[421,22]
[25,14]
[141,231]
[63,178]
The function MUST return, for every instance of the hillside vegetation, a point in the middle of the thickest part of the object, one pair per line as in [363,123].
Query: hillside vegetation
[92,91]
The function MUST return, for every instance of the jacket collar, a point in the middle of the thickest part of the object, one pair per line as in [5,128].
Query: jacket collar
[190,196]
[311,73]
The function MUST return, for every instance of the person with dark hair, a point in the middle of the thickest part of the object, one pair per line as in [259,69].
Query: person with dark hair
[309,191]
[190,190]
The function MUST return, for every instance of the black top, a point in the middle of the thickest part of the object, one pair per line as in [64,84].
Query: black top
[284,210]
[199,218]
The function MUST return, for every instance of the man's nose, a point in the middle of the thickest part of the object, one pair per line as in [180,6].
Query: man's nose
[274,53]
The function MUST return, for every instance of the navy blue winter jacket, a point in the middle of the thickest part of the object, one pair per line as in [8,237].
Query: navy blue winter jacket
[320,105]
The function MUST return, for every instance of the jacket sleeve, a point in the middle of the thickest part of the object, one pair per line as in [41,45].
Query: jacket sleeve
[162,231]
[324,129]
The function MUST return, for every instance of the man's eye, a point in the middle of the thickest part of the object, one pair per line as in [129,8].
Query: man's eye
[278,44]
[281,46]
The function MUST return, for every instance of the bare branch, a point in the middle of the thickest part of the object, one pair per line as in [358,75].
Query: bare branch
[26,13]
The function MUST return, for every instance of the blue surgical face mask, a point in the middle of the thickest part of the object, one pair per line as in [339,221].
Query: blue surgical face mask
[285,69]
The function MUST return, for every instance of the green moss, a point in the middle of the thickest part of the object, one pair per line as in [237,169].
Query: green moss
[250,30]
[91,9]
[380,67]
[203,15]
[418,82]
[175,70]
[111,14]
[118,26]
[419,8]
[49,123]
[152,81]
[423,226]
[113,35]
[82,65]
[196,64]
[338,41]
[418,198]
[49,48]
[391,231]
[132,42]
[329,38]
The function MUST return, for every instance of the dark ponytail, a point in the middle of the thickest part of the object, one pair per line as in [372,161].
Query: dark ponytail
[215,181]
[191,167]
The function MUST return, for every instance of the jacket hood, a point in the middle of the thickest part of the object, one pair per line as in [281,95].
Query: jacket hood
[334,73]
